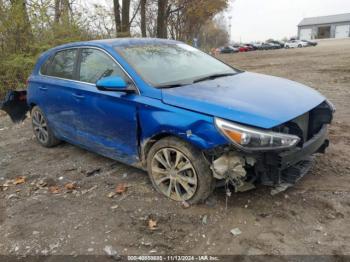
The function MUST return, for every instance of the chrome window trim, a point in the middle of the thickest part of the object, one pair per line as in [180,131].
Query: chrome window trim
[89,47]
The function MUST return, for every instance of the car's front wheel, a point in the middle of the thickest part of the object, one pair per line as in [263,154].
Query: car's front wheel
[41,129]
[180,171]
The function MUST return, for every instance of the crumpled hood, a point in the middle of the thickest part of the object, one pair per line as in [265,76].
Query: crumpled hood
[247,98]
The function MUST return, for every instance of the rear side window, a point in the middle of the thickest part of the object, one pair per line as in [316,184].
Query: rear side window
[62,64]
[95,65]
[44,68]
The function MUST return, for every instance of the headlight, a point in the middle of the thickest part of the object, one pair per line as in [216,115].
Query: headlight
[255,139]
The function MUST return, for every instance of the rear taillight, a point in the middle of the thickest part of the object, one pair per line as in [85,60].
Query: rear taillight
[27,82]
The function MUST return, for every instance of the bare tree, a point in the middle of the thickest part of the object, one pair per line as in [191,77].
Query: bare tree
[62,11]
[65,11]
[125,28]
[57,11]
[143,17]
[162,19]
[117,17]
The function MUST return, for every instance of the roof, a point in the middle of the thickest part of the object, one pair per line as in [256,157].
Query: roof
[330,19]
[119,42]
[134,41]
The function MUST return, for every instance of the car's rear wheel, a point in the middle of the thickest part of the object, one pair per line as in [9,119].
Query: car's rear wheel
[179,171]
[42,130]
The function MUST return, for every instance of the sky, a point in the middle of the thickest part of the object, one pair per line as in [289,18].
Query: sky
[259,20]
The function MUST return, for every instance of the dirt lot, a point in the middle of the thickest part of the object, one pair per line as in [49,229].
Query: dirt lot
[311,218]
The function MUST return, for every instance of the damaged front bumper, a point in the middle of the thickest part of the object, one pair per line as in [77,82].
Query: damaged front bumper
[290,166]
[277,169]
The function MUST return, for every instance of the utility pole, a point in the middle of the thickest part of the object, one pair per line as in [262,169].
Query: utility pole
[229,28]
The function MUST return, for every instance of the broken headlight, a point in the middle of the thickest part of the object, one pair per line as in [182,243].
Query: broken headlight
[255,139]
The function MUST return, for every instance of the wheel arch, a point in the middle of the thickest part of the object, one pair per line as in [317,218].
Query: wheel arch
[196,140]
[147,143]
[31,106]
[157,120]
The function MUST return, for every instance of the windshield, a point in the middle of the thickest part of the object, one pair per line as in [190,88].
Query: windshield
[170,64]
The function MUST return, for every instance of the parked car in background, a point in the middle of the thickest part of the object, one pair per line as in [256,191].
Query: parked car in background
[257,45]
[295,44]
[186,118]
[241,48]
[276,43]
[266,46]
[310,43]
[228,50]
[251,47]
[274,46]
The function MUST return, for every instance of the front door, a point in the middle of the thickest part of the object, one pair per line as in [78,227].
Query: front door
[108,122]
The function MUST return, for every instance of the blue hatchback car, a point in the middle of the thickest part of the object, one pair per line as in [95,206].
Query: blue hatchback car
[190,120]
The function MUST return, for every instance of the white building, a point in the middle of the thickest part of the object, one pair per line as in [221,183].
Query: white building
[333,26]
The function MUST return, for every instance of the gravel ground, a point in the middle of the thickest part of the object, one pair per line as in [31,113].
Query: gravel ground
[42,216]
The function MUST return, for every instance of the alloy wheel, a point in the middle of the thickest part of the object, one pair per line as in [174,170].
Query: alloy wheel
[40,127]
[174,174]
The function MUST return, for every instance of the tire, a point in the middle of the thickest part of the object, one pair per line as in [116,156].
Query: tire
[41,129]
[300,46]
[199,179]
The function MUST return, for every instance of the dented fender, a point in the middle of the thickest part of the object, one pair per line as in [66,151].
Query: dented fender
[157,119]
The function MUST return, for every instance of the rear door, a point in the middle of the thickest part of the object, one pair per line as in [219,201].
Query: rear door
[107,123]
[56,92]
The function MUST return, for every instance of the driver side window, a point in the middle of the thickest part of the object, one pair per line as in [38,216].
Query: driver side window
[95,65]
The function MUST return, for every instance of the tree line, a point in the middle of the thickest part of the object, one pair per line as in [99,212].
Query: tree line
[29,27]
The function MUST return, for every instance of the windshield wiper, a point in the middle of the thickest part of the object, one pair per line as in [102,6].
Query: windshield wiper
[213,76]
[171,86]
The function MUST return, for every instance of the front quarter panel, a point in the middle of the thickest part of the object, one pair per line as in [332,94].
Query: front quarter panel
[157,119]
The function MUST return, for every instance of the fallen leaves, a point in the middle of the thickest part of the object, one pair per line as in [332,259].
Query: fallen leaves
[70,186]
[54,189]
[5,186]
[152,224]
[121,188]
[57,189]
[14,182]
[19,180]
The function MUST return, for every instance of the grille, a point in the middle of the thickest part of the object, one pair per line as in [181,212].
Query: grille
[308,124]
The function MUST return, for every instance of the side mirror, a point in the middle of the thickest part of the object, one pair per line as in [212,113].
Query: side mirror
[113,83]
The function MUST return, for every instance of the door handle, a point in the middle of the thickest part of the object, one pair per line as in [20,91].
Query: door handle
[43,88]
[78,96]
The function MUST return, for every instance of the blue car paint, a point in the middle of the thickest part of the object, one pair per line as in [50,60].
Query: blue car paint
[56,98]
[112,82]
[156,118]
[118,125]
[248,98]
